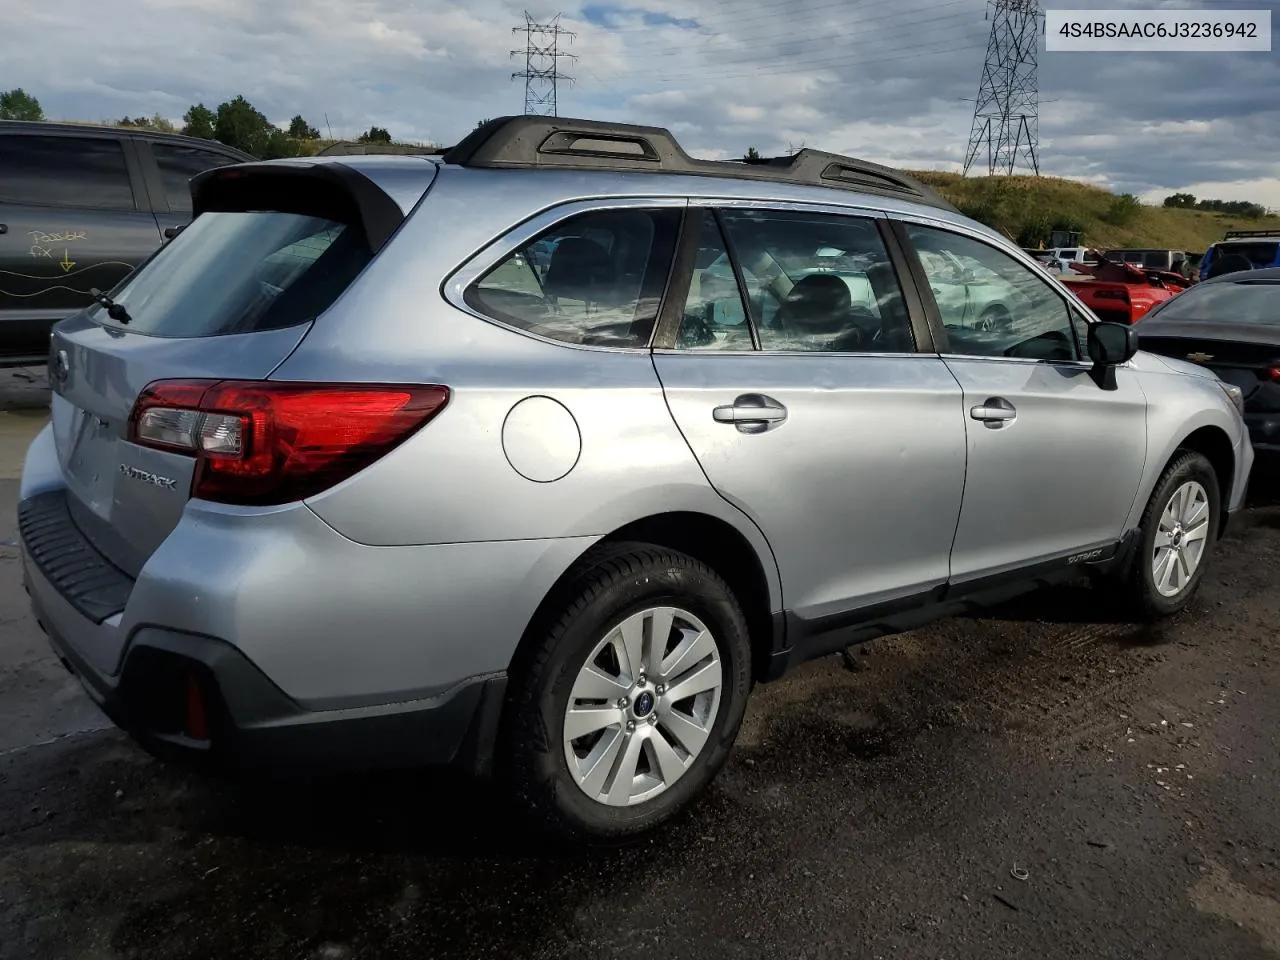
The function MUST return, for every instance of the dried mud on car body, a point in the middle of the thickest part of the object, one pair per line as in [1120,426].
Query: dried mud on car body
[876,811]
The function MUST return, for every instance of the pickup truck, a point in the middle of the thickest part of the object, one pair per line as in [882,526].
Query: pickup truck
[1122,292]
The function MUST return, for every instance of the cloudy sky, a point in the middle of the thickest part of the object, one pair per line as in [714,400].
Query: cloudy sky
[888,80]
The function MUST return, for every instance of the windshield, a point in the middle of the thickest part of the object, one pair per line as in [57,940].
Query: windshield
[1250,301]
[241,272]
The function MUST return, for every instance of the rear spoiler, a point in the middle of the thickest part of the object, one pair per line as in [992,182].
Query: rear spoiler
[330,190]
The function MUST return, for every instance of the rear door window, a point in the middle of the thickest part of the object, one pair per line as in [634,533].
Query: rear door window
[178,163]
[240,272]
[594,279]
[88,172]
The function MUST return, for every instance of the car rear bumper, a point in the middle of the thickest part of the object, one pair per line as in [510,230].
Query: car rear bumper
[306,647]
[198,699]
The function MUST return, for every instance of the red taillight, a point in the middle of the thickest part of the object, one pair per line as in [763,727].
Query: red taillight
[196,725]
[1274,374]
[268,442]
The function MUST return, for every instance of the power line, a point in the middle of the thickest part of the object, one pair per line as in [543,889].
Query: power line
[542,55]
[816,65]
[742,47]
[1006,116]
[745,59]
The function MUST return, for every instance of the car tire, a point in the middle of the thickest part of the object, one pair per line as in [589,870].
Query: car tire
[1146,587]
[557,780]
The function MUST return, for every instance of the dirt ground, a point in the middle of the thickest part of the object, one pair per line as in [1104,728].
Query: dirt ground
[1048,781]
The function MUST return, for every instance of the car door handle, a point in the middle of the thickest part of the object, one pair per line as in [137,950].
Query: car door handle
[995,410]
[751,413]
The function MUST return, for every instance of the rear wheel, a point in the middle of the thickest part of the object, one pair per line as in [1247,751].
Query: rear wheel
[633,697]
[1175,539]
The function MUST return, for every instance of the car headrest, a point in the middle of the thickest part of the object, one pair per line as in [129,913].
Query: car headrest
[819,302]
[580,269]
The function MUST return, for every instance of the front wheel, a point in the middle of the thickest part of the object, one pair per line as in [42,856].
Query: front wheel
[630,702]
[1175,539]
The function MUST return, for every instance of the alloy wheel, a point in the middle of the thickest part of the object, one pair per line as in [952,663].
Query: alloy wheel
[642,706]
[1181,538]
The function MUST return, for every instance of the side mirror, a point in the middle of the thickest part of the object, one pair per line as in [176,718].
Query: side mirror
[1110,344]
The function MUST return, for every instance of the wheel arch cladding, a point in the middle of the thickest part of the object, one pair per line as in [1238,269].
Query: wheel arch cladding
[708,539]
[1216,447]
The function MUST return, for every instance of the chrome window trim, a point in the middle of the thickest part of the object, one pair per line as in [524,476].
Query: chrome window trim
[481,261]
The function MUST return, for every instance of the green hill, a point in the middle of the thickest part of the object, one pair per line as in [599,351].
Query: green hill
[1027,208]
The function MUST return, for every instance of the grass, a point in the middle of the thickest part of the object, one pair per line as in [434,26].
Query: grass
[1020,205]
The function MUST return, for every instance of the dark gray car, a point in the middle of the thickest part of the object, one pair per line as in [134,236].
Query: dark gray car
[80,207]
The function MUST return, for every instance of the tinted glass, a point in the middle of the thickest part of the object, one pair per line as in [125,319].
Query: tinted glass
[240,272]
[1259,254]
[991,305]
[714,317]
[64,171]
[819,283]
[178,164]
[595,279]
[1250,302]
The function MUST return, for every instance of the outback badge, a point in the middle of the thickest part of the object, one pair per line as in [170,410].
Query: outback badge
[136,473]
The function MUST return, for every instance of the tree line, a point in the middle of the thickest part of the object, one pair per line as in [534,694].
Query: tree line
[1239,208]
[235,122]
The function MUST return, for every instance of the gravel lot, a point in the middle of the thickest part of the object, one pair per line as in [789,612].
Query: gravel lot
[1045,782]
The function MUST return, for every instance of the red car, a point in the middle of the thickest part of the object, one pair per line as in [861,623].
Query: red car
[1123,292]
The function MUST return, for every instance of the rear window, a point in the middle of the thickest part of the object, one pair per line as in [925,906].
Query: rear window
[1259,254]
[242,272]
[1246,301]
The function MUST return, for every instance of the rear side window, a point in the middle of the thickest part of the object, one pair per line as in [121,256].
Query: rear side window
[242,272]
[595,279]
[178,164]
[65,172]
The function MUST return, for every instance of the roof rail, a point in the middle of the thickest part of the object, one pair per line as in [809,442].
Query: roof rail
[528,142]
[1242,234]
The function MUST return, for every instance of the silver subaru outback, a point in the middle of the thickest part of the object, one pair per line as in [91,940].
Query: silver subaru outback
[535,456]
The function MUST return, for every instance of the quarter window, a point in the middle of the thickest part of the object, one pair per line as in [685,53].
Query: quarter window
[595,279]
[178,164]
[65,172]
[990,304]
[818,282]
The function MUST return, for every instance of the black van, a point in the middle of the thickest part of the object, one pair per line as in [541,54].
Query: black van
[80,207]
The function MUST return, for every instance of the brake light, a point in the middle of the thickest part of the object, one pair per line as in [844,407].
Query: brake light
[1274,374]
[268,442]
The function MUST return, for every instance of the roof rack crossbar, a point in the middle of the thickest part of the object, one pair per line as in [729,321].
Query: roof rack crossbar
[530,142]
[1242,234]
